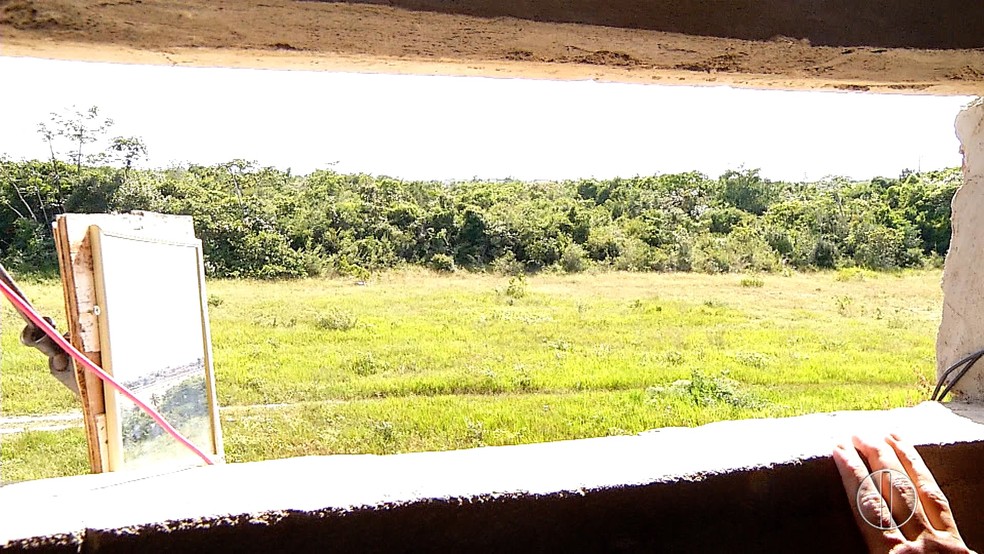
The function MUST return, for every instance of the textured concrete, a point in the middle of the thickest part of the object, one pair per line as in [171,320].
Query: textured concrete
[890,46]
[886,23]
[754,485]
[962,329]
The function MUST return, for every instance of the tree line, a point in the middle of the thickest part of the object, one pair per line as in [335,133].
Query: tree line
[262,222]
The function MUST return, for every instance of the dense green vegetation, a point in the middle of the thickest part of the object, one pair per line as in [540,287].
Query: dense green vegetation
[263,222]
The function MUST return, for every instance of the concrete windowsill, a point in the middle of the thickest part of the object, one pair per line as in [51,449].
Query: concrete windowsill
[735,486]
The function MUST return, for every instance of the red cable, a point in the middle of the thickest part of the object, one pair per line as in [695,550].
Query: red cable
[24,308]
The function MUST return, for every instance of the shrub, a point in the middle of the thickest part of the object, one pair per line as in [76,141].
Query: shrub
[934,261]
[604,243]
[636,255]
[752,282]
[723,220]
[752,359]
[573,259]
[848,274]
[315,263]
[743,250]
[516,288]
[706,390]
[442,263]
[30,248]
[336,320]
[845,305]
[542,252]
[712,256]
[507,264]
[384,430]
[365,365]
[137,194]
[673,357]
[824,254]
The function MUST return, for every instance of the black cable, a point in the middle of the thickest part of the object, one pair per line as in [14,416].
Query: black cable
[947,373]
[964,365]
[962,372]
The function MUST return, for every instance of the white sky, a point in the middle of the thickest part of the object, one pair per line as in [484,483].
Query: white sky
[418,127]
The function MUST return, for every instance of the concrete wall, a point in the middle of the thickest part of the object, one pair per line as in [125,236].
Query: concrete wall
[743,486]
[754,485]
[962,329]
[885,23]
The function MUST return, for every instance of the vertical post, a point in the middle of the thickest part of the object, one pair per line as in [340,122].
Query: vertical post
[962,329]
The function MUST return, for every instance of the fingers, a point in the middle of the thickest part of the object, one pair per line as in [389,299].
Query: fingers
[854,475]
[934,503]
[899,493]
[876,496]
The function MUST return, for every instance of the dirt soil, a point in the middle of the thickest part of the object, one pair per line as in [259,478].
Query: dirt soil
[371,37]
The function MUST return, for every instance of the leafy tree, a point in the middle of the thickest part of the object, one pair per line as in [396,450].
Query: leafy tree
[128,151]
[747,191]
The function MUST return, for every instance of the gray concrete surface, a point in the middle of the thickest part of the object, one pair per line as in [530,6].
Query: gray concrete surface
[962,327]
[753,485]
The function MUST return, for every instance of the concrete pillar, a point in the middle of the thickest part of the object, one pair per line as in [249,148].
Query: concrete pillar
[962,329]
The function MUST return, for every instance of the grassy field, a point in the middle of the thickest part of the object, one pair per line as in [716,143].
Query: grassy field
[417,361]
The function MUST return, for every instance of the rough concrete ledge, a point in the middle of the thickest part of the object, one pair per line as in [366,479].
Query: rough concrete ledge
[891,23]
[753,485]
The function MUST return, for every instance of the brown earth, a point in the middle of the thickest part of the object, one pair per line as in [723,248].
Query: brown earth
[793,44]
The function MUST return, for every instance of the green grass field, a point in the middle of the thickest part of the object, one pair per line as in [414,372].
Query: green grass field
[419,361]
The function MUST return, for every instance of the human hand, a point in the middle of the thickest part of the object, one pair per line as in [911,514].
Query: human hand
[931,527]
